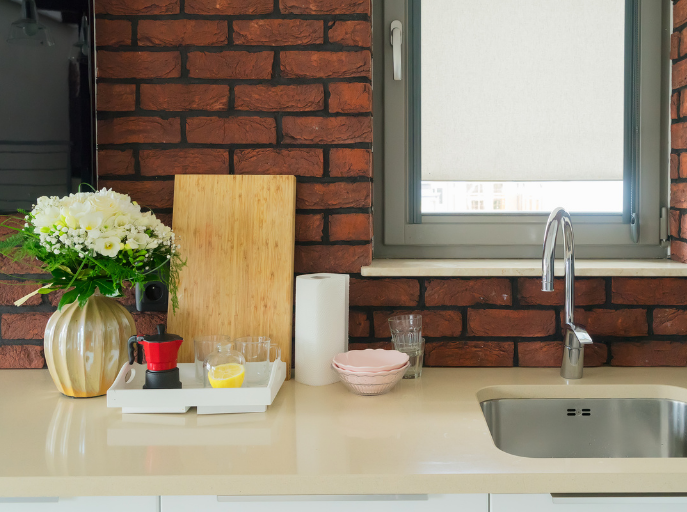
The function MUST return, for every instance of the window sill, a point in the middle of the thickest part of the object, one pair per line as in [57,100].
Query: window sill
[516,268]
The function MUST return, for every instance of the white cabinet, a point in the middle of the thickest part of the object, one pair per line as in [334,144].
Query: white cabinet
[318,503]
[82,504]
[581,503]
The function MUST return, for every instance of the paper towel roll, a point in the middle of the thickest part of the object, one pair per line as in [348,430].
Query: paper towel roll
[321,326]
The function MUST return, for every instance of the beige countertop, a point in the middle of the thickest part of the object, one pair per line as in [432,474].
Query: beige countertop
[521,268]
[426,436]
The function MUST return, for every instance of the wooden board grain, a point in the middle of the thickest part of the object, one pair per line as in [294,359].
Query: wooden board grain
[237,234]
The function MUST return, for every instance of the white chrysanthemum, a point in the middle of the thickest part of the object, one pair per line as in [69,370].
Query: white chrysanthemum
[108,246]
[47,217]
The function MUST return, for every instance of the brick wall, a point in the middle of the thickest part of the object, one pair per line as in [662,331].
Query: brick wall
[283,87]
[678,132]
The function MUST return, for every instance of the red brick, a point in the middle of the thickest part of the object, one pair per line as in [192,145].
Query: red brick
[682,223]
[469,353]
[128,298]
[333,195]
[678,251]
[309,227]
[231,130]
[351,33]
[674,102]
[682,166]
[511,323]
[587,292]
[24,266]
[112,32]
[678,195]
[149,194]
[112,162]
[358,324]
[350,98]
[22,356]
[324,6]
[15,220]
[384,292]
[24,326]
[346,259]
[682,104]
[165,218]
[134,7]
[229,7]
[122,130]
[284,98]
[468,292]
[139,64]
[670,321]
[11,291]
[327,130]
[357,345]
[679,74]
[158,162]
[648,353]
[435,323]
[146,323]
[679,13]
[674,166]
[325,64]
[612,322]
[540,354]
[678,134]
[299,162]
[182,33]
[670,291]
[116,97]
[351,226]
[674,45]
[682,50]
[350,162]
[674,223]
[272,32]
[230,65]
[184,97]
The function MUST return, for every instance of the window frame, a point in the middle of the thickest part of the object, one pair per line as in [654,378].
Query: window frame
[401,232]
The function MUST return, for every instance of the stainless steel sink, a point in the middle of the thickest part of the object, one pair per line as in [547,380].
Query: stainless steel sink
[596,427]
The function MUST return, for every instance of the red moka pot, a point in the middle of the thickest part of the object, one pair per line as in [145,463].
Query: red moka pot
[161,351]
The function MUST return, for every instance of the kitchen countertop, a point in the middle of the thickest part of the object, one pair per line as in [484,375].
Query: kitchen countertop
[521,268]
[426,436]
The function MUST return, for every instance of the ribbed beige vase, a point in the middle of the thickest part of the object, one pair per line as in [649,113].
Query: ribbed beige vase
[86,347]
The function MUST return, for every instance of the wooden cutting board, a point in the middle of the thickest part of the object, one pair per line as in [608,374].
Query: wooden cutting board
[237,234]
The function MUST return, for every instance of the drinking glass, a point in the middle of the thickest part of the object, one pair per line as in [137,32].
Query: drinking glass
[406,336]
[203,346]
[258,353]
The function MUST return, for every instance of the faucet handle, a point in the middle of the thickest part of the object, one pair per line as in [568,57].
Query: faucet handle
[583,337]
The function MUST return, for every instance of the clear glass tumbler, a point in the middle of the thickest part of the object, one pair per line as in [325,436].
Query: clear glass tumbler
[258,353]
[203,346]
[406,336]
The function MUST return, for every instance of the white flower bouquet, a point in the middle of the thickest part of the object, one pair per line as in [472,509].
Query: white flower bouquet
[92,240]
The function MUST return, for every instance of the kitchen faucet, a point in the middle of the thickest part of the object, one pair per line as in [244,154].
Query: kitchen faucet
[575,337]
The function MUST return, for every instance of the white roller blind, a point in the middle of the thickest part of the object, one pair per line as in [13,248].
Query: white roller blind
[522,90]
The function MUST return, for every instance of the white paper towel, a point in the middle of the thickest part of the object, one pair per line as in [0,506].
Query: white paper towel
[321,326]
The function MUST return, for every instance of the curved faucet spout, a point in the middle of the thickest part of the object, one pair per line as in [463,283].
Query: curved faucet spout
[575,337]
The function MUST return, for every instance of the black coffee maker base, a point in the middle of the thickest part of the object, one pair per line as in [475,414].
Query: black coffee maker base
[166,379]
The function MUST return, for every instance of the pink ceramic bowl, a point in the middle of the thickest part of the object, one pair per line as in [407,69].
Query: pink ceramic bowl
[369,384]
[370,360]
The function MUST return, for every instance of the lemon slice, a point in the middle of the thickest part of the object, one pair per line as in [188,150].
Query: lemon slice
[228,375]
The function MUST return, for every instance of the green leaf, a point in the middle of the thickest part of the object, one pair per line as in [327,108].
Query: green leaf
[68,298]
[106,287]
[88,290]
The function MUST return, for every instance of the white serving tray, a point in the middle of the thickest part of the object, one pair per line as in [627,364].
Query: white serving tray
[129,395]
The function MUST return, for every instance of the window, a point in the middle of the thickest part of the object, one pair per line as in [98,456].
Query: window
[504,110]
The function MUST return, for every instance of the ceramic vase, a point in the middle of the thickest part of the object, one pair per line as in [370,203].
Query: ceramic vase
[86,347]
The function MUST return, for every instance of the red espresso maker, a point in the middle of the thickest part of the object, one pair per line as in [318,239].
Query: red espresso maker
[161,352]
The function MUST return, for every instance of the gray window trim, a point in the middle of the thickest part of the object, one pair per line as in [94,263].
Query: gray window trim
[399,233]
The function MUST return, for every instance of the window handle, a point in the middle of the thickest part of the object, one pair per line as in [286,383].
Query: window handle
[396,38]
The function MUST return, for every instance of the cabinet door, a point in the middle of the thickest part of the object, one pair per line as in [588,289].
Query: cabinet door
[318,503]
[582,503]
[82,504]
